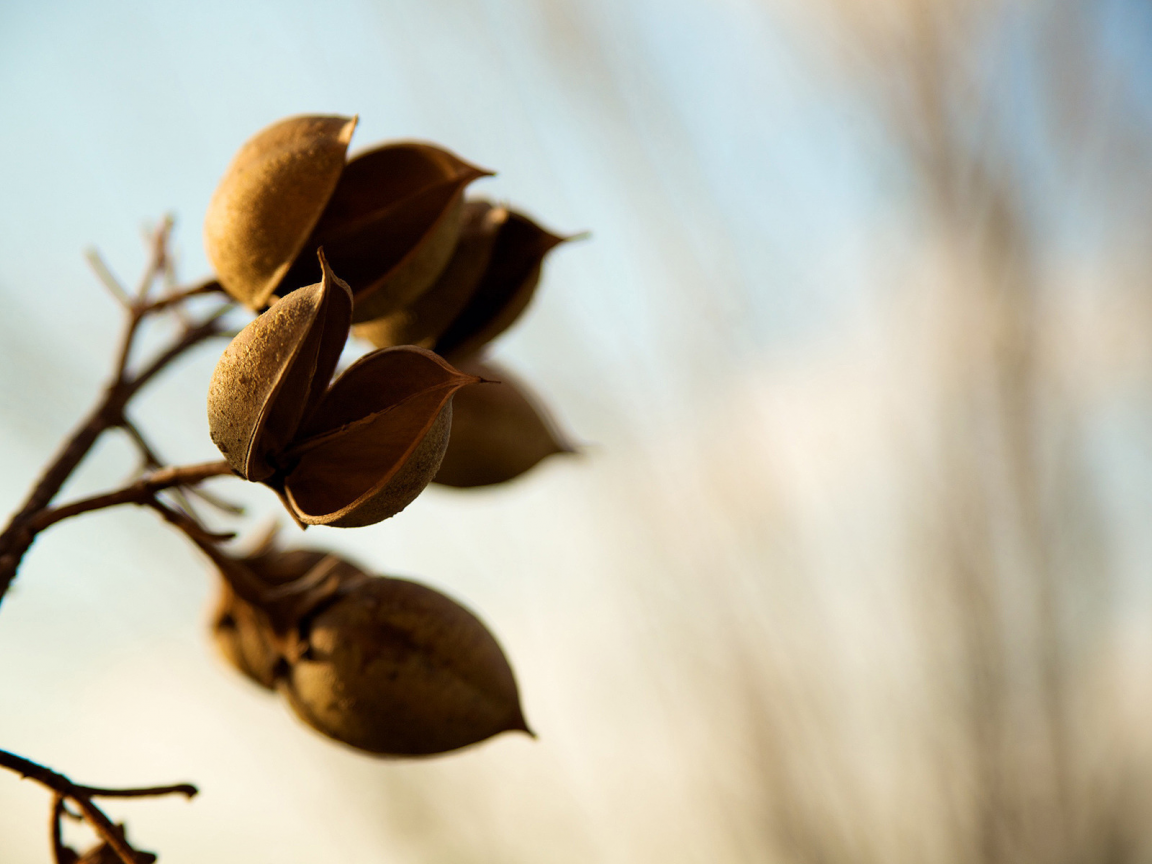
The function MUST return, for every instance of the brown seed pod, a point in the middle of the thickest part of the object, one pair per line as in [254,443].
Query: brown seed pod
[499,431]
[484,289]
[506,289]
[349,455]
[245,638]
[422,321]
[389,217]
[375,441]
[391,225]
[275,372]
[255,632]
[396,668]
[270,199]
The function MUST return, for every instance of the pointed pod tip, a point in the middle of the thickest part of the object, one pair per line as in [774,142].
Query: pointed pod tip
[345,134]
[328,276]
[519,724]
[582,449]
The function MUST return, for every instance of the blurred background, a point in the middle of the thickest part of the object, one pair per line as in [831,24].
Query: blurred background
[856,563]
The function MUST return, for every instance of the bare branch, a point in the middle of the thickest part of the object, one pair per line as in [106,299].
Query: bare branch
[148,455]
[179,296]
[104,274]
[143,491]
[61,854]
[82,796]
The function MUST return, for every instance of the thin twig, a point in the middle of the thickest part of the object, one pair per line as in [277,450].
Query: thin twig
[61,854]
[185,789]
[216,501]
[107,832]
[179,296]
[196,532]
[149,456]
[17,538]
[82,796]
[180,496]
[157,240]
[143,491]
[109,281]
[243,581]
[209,328]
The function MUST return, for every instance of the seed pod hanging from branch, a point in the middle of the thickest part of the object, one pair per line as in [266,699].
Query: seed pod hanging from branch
[347,455]
[499,431]
[486,286]
[380,664]
[388,218]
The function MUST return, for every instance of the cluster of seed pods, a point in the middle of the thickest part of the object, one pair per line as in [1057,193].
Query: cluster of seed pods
[386,246]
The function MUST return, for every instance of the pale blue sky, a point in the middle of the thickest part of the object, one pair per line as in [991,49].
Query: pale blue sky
[720,327]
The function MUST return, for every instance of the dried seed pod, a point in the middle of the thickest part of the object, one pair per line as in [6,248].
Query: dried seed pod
[422,321]
[499,431]
[349,455]
[274,374]
[396,668]
[391,224]
[245,638]
[506,289]
[271,197]
[484,289]
[282,587]
[375,441]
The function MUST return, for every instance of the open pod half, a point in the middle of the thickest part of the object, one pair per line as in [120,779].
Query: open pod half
[269,200]
[375,441]
[347,455]
[487,284]
[389,217]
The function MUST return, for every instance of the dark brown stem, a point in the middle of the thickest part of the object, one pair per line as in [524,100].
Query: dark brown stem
[177,297]
[109,413]
[82,796]
[242,579]
[59,850]
[185,789]
[139,307]
[214,501]
[143,491]
[190,525]
[150,458]
[96,262]
[107,832]
[193,335]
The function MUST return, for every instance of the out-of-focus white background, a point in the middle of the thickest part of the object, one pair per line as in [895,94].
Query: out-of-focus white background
[856,564]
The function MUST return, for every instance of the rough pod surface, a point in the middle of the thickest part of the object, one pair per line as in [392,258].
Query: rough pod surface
[384,665]
[396,668]
[269,200]
[389,218]
[348,454]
